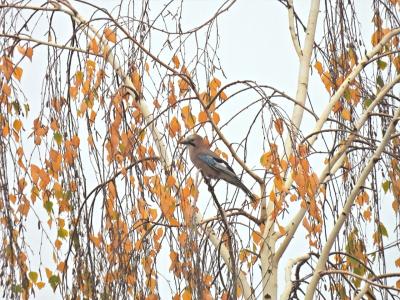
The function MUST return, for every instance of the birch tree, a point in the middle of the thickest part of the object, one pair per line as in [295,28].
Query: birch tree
[99,201]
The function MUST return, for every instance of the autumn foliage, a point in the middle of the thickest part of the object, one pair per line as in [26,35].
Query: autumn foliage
[99,201]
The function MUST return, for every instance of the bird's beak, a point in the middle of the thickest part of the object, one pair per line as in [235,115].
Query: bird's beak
[184,142]
[187,141]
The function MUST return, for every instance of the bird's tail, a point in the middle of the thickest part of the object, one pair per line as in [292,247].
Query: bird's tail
[246,190]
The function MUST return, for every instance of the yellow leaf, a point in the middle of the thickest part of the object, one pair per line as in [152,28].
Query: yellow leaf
[176,61]
[266,160]
[17,125]
[40,285]
[33,276]
[110,35]
[187,295]
[78,78]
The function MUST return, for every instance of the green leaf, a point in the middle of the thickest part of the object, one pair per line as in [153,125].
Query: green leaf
[367,102]
[33,276]
[386,186]
[346,94]
[16,288]
[54,280]
[27,109]
[379,82]
[381,64]
[58,138]
[62,233]
[382,230]
[17,107]
[48,205]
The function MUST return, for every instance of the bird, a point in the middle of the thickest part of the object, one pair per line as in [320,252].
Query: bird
[210,164]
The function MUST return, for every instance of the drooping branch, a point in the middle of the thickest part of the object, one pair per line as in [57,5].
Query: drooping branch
[334,164]
[347,207]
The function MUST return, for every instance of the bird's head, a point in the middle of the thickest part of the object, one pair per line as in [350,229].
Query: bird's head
[193,140]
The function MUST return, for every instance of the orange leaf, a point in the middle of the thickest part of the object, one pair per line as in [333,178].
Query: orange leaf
[58,244]
[176,62]
[35,170]
[346,114]
[318,67]
[73,91]
[48,273]
[18,73]
[396,62]
[279,126]
[202,117]
[170,181]
[61,266]
[396,205]
[223,96]
[397,262]
[7,67]
[216,118]
[96,240]
[326,79]
[183,86]
[188,117]
[137,83]
[94,46]
[215,83]
[6,89]
[110,35]
[174,127]
[28,52]
[256,235]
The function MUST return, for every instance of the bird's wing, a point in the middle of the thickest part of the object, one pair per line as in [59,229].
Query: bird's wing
[216,163]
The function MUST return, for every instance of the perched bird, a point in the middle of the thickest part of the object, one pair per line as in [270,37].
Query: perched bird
[210,164]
